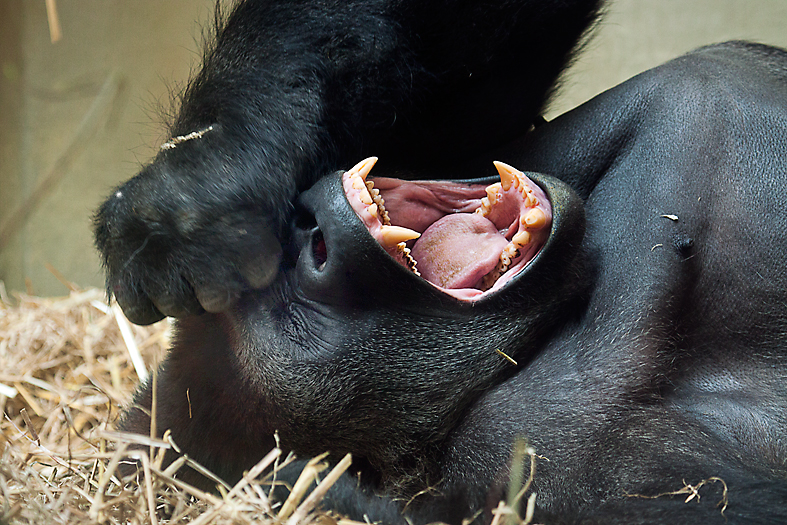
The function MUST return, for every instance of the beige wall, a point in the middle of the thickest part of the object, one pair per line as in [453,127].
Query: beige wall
[636,35]
[58,125]
[11,96]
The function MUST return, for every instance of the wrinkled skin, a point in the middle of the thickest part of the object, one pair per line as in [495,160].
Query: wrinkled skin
[650,350]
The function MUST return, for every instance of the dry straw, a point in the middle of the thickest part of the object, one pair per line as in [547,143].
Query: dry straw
[67,366]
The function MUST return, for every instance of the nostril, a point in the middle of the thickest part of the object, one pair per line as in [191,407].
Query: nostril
[319,250]
[308,236]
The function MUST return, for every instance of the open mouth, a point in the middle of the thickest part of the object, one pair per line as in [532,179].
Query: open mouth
[466,239]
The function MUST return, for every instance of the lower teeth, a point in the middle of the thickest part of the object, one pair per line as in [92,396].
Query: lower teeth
[530,218]
[409,260]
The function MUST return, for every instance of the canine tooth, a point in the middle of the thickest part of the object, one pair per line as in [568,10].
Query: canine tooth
[367,167]
[364,167]
[507,174]
[535,219]
[393,235]
[521,239]
[372,209]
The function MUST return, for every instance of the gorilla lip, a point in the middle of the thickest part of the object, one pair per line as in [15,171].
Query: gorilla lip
[465,239]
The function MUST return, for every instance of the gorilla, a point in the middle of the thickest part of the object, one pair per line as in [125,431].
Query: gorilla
[609,286]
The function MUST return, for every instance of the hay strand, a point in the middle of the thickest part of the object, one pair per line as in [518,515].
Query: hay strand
[67,367]
[55,32]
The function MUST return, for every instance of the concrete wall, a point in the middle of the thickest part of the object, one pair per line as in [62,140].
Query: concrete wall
[79,116]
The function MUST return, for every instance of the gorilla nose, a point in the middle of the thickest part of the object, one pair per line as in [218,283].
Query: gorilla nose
[338,261]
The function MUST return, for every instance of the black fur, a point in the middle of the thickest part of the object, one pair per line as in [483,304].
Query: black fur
[297,89]
[651,351]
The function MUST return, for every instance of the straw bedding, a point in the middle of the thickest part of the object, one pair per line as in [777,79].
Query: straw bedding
[66,369]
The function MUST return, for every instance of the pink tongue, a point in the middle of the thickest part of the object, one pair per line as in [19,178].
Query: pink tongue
[458,250]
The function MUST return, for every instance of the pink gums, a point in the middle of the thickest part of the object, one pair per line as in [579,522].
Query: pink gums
[458,246]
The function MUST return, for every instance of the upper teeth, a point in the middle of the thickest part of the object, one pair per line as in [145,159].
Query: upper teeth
[394,237]
[379,202]
[508,174]
[363,168]
[534,220]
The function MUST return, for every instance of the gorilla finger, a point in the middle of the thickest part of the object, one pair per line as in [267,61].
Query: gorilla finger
[180,305]
[260,271]
[216,300]
[175,297]
[138,308]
